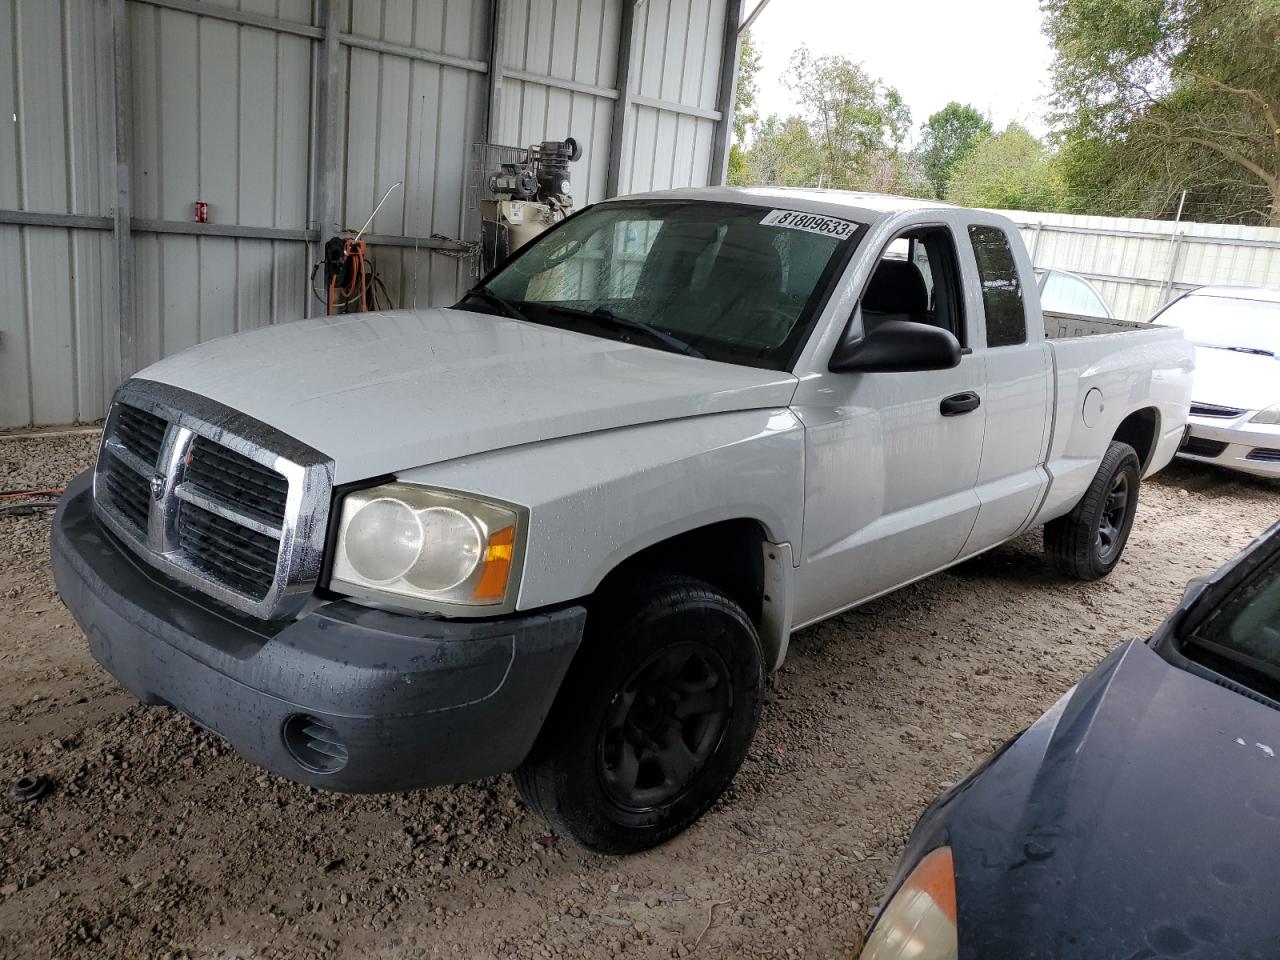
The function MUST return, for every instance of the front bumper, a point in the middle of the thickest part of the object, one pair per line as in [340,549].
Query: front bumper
[399,701]
[1236,444]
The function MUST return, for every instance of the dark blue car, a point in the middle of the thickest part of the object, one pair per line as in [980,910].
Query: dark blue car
[1138,818]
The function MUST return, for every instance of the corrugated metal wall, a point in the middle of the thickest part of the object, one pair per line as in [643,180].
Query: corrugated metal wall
[221,113]
[677,46]
[224,98]
[1140,265]
[56,284]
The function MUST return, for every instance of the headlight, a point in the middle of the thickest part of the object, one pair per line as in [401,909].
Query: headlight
[920,921]
[1269,415]
[431,548]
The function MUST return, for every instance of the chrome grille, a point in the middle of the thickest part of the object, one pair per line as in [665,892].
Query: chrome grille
[222,502]
[1215,411]
[244,558]
[233,478]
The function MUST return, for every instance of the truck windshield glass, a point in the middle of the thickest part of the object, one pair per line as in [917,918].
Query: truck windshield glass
[709,279]
[1227,323]
[1241,640]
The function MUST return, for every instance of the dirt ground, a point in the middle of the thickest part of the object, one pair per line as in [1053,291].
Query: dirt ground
[157,841]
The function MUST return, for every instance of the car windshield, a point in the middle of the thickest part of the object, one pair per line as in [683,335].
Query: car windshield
[1241,639]
[1228,323]
[725,281]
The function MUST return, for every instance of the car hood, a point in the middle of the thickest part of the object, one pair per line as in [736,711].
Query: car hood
[1230,379]
[384,392]
[1140,817]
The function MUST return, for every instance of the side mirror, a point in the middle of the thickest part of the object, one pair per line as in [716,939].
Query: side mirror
[898,346]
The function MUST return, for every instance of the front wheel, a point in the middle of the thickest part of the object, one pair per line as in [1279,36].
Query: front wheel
[1088,541]
[653,720]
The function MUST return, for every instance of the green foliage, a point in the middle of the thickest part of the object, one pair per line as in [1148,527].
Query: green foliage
[847,132]
[947,137]
[854,120]
[1154,97]
[748,88]
[1011,170]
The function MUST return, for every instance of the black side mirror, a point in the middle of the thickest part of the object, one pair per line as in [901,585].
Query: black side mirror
[898,346]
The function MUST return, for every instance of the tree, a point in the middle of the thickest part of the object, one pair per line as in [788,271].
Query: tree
[1158,96]
[1011,170]
[948,135]
[744,109]
[783,154]
[853,119]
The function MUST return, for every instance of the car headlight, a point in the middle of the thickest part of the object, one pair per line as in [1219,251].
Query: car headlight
[920,921]
[1269,415]
[425,548]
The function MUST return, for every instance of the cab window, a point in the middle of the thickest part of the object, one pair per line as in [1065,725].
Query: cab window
[1001,287]
[916,279]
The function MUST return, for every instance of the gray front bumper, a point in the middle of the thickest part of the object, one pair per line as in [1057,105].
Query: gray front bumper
[415,701]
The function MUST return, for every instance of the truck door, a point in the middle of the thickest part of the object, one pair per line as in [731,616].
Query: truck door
[892,458]
[1011,477]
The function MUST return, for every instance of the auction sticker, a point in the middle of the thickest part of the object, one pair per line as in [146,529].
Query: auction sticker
[811,222]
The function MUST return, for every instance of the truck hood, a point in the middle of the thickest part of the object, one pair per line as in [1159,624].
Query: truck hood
[1230,379]
[384,392]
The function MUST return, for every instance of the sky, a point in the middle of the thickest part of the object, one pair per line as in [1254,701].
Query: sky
[989,53]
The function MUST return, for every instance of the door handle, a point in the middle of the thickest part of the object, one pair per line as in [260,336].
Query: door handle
[960,403]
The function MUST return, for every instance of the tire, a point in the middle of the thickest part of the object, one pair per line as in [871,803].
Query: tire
[1087,543]
[653,720]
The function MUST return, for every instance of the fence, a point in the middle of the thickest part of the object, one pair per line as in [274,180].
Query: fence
[1140,265]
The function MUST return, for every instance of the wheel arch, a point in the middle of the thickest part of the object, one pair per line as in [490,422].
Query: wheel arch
[735,556]
[1140,430]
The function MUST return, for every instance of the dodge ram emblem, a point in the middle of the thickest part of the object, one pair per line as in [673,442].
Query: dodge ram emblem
[157,487]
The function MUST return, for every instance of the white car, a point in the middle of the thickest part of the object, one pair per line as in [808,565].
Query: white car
[1063,292]
[1235,401]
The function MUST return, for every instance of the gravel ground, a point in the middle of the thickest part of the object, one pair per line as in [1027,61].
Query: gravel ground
[157,841]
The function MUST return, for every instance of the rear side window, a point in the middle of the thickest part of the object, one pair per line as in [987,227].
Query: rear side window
[1001,287]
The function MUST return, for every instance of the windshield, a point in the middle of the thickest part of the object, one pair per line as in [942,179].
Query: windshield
[1241,639]
[726,281]
[1227,322]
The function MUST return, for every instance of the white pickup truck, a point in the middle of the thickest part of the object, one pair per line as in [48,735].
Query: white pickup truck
[566,527]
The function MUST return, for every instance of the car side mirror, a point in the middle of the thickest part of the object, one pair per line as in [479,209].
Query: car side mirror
[898,346]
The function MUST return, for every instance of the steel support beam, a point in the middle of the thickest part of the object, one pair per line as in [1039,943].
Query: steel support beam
[412,53]
[728,89]
[75,221]
[672,107]
[573,86]
[751,17]
[493,84]
[242,17]
[327,206]
[622,109]
[126,321]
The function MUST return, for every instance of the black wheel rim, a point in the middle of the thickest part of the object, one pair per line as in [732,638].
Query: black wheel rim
[664,725]
[1115,509]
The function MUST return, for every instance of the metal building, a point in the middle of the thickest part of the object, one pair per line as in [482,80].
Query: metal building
[290,118]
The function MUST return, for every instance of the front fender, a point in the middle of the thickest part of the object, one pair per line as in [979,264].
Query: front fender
[595,500]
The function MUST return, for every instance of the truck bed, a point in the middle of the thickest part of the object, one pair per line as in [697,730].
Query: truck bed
[1067,326]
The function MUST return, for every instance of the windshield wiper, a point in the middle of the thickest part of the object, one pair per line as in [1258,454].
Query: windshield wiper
[503,304]
[1256,351]
[626,323]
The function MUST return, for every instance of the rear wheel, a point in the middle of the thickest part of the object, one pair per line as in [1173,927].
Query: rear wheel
[1087,543]
[653,720]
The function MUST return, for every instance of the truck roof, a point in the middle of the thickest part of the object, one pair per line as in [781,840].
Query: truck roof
[864,207]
